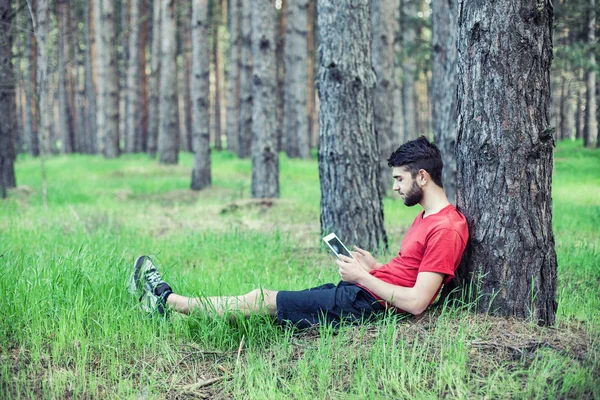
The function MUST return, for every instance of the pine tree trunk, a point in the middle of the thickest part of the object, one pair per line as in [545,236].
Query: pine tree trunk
[409,69]
[313,126]
[348,155]
[100,78]
[133,80]
[398,125]
[63,115]
[233,91]
[42,75]
[141,144]
[200,91]
[218,79]
[188,130]
[80,134]
[590,126]
[90,94]
[295,112]
[7,101]
[444,80]
[154,106]
[579,107]
[168,142]
[279,53]
[383,24]
[265,160]
[31,136]
[111,80]
[505,157]
[245,132]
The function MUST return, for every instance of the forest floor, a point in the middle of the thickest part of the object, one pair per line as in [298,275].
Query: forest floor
[70,329]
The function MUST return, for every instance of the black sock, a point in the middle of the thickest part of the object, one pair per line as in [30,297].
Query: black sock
[163,290]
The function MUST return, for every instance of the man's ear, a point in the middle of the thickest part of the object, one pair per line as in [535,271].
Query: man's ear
[422,177]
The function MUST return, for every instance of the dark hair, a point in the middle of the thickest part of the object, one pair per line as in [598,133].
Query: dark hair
[419,154]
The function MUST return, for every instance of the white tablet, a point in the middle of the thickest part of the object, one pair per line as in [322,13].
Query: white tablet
[336,245]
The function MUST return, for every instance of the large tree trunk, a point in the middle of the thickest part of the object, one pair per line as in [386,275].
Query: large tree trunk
[200,90]
[348,155]
[265,160]
[155,64]
[409,69]
[31,136]
[168,143]
[245,132]
[63,112]
[383,26]
[132,130]
[295,112]
[233,92]
[505,155]
[7,101]
[590,126]
[444,79]
[111,80]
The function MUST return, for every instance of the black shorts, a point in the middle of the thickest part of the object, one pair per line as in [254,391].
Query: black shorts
[327,304]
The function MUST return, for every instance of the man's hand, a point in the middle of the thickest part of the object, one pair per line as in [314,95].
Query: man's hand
[351,270]
[365,258]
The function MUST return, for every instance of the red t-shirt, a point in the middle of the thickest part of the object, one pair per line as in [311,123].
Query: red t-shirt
[432,244]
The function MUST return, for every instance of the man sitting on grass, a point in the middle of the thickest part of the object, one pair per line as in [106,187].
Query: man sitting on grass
[429,256]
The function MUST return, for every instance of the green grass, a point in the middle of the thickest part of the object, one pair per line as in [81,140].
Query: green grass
[68,327]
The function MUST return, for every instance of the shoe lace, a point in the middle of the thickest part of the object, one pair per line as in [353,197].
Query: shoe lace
[153,277]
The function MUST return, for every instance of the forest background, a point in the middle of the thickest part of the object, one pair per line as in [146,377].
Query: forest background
[75,222]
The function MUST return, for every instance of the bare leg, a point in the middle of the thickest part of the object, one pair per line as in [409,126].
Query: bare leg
[257,301]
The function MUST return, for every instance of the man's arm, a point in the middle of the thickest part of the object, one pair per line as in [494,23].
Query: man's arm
[413,300]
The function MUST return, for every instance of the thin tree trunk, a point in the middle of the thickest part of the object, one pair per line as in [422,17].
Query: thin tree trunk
[398,125]
[200,88]
[90,94]
[246,98]
[7,100]
[188,130]
[505,157]
[133,80]
[383,27]
[80,134]
[313,126]
[217,59]
[63,113]
[169,114]
[409,68]
[579,107]
[154,106]
[100,78]
[265,160]
[183,31]
[279,51]
[42,75]
[141,144]
[444,82]
[18,60]
[233,92]
[295,112]
[347,142]
[111,80]
[31,137]
[590,126]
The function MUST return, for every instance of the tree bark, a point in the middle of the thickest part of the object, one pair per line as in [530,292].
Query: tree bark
[505,157]
[200,89]
[187,131]
[265,160]
[295,112]
[42,75]
[590,126]
[409,69]
[154,106]
[63,112]
[383,26]
[132,130]
[141,144]
[245,132]
[279,52]
[348,155]
[7,101]
[313,126]
[444,81]
[217,60]
[169,114]
[100,78]
[90,95]
[111,80]
[31,136]
[233,92]
[398,125]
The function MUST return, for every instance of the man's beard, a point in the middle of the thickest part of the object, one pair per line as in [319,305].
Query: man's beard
[414,195]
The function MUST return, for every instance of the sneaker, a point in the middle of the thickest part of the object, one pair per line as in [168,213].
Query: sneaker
[146,282]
